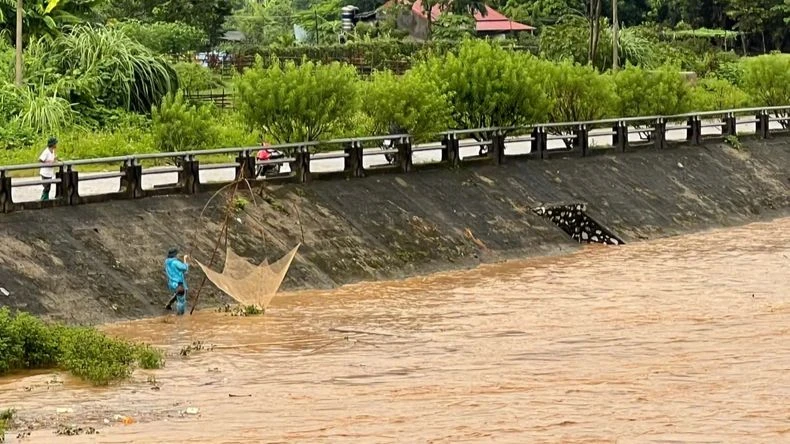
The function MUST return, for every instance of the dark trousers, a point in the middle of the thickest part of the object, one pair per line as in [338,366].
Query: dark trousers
[47,188]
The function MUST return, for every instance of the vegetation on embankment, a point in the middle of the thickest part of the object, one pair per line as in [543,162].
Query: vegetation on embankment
[105,259]
[90,107]
[27,342]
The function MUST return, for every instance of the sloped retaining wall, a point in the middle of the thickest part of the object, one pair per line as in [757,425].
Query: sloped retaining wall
[103,262]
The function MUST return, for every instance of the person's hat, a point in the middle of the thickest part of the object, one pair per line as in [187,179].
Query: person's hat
[52,142]
[173,252]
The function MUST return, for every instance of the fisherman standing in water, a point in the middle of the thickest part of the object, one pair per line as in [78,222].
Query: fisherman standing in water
[176,282]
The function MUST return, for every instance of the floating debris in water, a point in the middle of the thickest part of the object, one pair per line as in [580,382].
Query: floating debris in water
[73,430]
[241,310]
[195,346]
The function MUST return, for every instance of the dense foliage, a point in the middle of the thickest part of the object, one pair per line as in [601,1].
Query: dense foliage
[489,86]
[181,126]
[27,342]
[412,103]
[171,38]
[105,76]
[298,103]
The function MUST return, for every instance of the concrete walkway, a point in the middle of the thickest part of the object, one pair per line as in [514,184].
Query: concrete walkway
[22,193]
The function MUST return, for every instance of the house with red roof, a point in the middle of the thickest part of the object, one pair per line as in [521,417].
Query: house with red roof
[493,23]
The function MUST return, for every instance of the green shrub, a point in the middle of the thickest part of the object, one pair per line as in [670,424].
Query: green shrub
[173,38]
[711,94]
[412,103]
[767,79]
[231,131]
[489,86]
[28,343]
[578,93]
[644,92]
[14,136]
[732,72]
[297,103]
[11,353]
[453,27]
[193,77]
[5,418]
[38,342]
[181,126]
[90,355]
[149,358]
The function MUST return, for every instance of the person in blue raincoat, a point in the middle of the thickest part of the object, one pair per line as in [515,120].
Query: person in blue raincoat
[176,270]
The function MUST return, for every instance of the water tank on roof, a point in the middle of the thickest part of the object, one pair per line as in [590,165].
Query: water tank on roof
[348,17]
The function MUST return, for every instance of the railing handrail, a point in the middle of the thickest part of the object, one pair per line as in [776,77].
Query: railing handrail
[452,132]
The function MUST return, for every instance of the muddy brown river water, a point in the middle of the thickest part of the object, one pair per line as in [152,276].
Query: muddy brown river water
[684,339]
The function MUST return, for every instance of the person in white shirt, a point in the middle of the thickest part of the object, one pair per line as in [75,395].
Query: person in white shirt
[47,158]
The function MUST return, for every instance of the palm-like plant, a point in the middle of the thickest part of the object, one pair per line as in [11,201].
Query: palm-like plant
[47,17]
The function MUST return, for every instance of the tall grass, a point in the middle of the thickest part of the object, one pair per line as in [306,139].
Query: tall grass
[106,65]
[47,113]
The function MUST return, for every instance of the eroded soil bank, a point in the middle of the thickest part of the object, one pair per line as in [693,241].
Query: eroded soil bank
[103,262]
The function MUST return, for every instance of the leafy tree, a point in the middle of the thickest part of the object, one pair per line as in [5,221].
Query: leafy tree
[264,23]
[752,16]
[767,79]
[464,7]
[643,93]
[710,94]
[542,11]
[173,38]
[193,77]
[490,86]
[413,103]
[569,40]
[46,17]
[207,15]
[297,103]
[180,126]
[694,13]
[578,93]
[454,27]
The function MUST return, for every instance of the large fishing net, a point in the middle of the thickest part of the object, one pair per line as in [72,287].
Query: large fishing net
[247,283]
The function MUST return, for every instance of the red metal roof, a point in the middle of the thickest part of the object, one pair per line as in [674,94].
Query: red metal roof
[494,21]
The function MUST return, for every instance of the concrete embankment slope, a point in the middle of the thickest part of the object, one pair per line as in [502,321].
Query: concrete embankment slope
[102,262]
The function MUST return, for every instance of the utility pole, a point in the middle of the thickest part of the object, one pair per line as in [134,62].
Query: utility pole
[615,37]
[18,43]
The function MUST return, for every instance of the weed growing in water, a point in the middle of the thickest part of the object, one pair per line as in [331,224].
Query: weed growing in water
[193,347]
[150,358]
[241,310]
[27,342]
[5,419]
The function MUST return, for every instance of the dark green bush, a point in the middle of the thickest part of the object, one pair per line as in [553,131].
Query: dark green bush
[166,38]
[27,342]
[179,125]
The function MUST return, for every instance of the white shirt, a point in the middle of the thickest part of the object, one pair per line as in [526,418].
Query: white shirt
[47,155]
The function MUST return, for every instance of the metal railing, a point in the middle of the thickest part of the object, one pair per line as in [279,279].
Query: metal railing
[357,157]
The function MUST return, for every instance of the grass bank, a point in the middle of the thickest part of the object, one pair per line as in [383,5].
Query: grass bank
[27,342]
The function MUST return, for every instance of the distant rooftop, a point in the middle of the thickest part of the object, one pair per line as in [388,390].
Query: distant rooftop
[493,21]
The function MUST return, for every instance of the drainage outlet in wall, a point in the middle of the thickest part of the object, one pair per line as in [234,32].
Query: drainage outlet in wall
[573,220]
